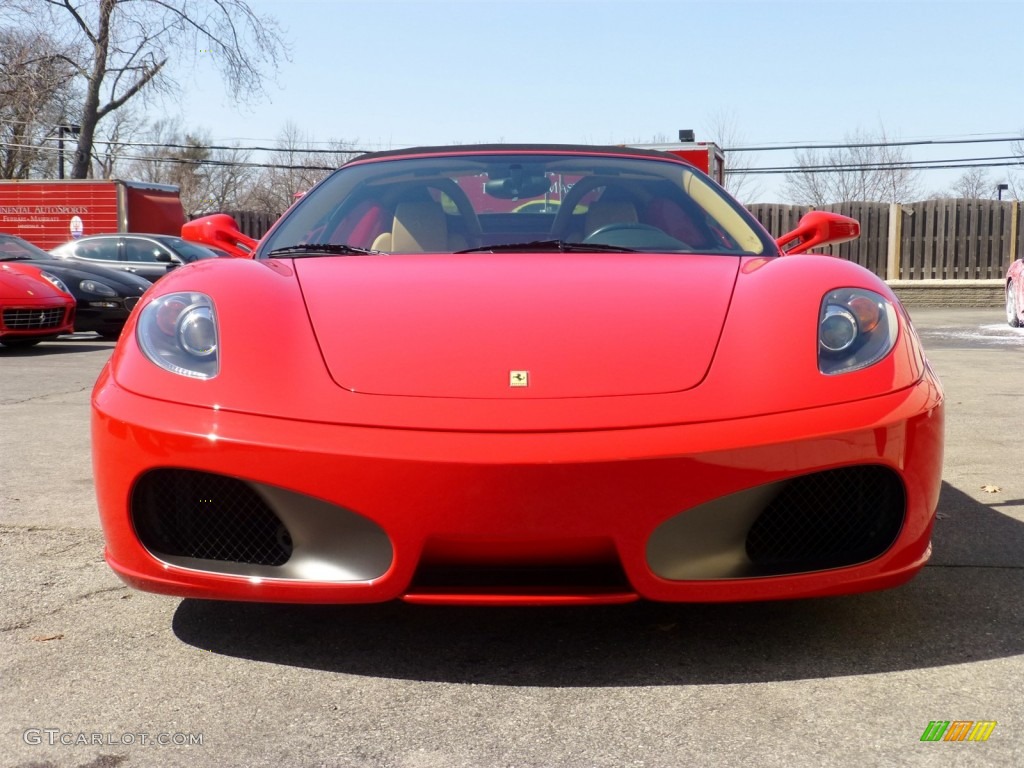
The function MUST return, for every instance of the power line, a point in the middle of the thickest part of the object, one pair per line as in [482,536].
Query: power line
[214,147]
[856,168]
[965,162]
[859,145]
[178,160]
[971,139]
[1003,161]
[766,148]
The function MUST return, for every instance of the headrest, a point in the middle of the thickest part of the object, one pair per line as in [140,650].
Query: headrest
[419,226]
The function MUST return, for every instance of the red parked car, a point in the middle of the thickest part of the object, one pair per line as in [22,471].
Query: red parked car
[34,306]
[413,391]
[1015,294]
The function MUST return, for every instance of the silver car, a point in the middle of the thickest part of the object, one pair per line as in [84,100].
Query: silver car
[149,256]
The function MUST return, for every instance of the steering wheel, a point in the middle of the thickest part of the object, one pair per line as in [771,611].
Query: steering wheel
[620,226]
[635,235]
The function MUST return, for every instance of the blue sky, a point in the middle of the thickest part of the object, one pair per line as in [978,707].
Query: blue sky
[389,74]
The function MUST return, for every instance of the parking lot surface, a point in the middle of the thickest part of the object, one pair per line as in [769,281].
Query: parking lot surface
[95,674]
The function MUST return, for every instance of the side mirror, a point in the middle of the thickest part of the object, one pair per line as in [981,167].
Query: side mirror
[817,228]
[220,231]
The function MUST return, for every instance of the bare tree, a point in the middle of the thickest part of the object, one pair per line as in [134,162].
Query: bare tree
[121,48]
[115,139]
[1015,179]
[294,167]
[229,180]
[722,129]
[35,97]
[867,168]
[1015,187]
[209,179]
[974,183]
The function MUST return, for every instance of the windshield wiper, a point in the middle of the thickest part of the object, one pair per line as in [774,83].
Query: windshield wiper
[562,246]
[322,249]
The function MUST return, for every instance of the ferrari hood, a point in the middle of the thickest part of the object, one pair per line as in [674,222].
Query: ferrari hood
[518,325]
[19,282]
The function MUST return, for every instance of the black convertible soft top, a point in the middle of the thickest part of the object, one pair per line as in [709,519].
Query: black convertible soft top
[546,148]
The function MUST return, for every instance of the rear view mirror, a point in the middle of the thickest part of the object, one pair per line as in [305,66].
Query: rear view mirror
[220,231]
[516,181]
[514,188]
[817,228]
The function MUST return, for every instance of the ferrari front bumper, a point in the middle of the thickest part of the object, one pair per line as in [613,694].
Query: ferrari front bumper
[357,514]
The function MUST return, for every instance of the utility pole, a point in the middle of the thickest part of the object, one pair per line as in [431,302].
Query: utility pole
[61,129]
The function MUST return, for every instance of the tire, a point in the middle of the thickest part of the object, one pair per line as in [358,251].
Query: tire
[1011,307]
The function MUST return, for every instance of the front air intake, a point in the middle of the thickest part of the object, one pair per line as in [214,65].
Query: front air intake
[828,519]
[184,513]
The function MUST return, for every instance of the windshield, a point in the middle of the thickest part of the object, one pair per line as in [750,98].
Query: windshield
[517,201]
[13,248]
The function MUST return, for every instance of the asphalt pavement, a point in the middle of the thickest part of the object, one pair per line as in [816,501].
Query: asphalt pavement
[95,674]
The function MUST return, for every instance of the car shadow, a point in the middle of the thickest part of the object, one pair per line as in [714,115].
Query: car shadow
[964,606]
[60,346]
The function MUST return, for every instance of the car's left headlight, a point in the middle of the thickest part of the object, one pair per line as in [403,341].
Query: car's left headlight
[178,332]
[856,329]
[55,281]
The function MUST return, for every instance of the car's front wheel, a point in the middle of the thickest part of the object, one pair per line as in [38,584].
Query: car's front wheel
[1011,306]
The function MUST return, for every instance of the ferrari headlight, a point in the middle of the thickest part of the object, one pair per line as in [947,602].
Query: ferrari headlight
[856,329]
[55,281]
[178,332]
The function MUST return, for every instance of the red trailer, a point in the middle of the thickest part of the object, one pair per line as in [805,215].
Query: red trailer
[706,155]
[48,213]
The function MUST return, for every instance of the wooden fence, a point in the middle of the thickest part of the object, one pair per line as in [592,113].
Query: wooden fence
[254,223]
[945,239]
[942,239]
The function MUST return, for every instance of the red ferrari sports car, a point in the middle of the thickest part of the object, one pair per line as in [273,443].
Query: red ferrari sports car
[417,387]
[34,306]
[1015,294]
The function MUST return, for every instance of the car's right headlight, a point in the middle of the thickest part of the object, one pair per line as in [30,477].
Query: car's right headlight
[178,332]
[856,329]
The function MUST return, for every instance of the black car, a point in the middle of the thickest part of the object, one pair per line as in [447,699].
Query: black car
[148,256]
[104,297]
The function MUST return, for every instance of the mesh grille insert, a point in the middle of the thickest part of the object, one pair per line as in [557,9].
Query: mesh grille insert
[828,520]
[184,513]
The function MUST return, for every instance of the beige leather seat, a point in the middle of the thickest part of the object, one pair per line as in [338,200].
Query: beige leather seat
[601,213]
[418,227]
